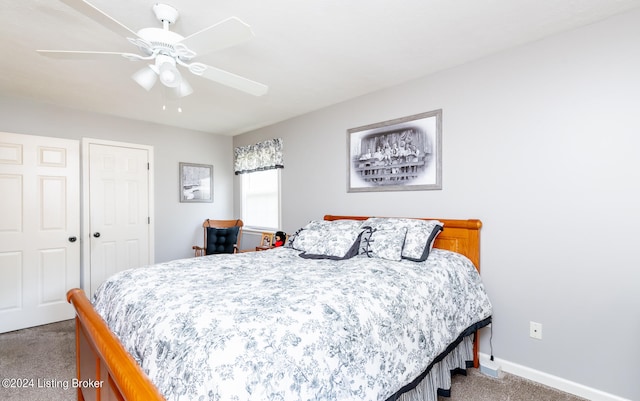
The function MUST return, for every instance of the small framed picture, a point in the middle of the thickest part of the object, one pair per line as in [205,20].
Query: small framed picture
[196,182]
[267,240]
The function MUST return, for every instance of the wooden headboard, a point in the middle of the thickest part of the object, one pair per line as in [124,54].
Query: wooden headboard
[462,236]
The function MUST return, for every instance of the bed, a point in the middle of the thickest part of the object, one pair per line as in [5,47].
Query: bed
[287,324]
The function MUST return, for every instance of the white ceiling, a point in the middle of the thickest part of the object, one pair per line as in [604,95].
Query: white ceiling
[311,54]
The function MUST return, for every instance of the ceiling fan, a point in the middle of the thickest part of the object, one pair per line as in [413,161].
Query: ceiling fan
[166,50]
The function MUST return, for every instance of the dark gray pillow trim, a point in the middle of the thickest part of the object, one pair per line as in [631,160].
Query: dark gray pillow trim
[425,253]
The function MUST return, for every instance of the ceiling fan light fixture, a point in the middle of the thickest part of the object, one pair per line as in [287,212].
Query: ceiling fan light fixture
[170,76]
[184,89]
[146,77]
[167,71]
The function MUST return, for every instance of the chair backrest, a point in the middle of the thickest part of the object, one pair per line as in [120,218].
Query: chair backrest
[222,223]
[209,223]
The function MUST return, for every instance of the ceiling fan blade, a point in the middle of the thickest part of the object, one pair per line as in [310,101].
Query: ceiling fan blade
[78,55]
[100,17]
[226,33]
[234,81]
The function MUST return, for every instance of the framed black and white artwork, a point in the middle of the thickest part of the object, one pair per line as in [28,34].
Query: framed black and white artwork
[404,154]
[196,182]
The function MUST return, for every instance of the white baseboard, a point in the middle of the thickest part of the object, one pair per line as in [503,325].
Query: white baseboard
[554,381]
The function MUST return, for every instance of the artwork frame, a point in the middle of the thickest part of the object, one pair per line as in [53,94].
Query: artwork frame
[266,241]
[403,154]
[196,183]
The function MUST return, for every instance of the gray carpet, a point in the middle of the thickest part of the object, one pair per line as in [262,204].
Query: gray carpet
[42,356]
[45,356]
[479,387]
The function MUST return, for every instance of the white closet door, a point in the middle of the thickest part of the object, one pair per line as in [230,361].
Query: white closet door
[39,229]
[119,210]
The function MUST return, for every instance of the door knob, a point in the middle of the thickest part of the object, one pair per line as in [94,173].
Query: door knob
[72,239]
[96,234]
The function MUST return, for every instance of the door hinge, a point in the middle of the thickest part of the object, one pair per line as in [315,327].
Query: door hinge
[148,220]
[148,166]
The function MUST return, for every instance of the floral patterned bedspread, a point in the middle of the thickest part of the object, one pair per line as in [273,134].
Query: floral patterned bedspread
[273,326]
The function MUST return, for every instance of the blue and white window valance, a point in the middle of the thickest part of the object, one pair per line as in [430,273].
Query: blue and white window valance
[261,156]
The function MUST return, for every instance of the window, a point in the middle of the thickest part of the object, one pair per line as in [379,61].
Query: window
[260,199]
[259,167]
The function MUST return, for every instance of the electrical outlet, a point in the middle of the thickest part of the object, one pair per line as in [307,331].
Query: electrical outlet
[535,330]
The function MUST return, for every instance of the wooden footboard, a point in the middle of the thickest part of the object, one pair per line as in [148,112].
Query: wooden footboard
[105,370]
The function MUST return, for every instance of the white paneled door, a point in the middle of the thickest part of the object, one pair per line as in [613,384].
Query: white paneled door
[39,229]
[119,227]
